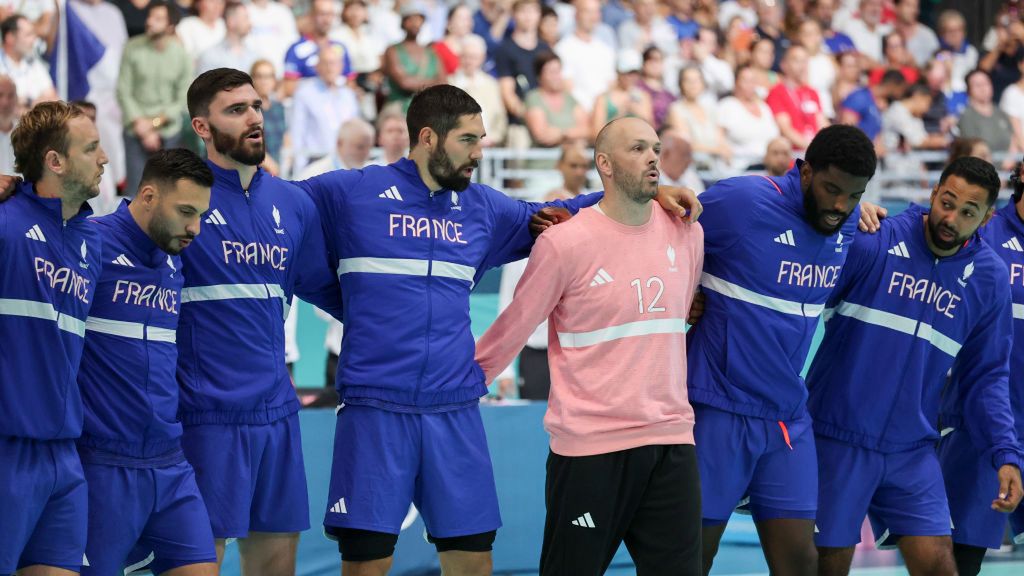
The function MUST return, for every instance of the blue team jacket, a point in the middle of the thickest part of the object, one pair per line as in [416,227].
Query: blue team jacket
[407,260]
[47,285]
[895,324]
[257,248]
[127,373]
[1005,234]
[767,274]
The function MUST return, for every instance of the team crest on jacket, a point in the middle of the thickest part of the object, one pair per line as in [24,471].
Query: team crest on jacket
[968,270]
[170,262]
[671,253]
[455,201]
[277,220]
[85,253]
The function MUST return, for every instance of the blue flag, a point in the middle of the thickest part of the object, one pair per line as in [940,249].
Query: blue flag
[74,54]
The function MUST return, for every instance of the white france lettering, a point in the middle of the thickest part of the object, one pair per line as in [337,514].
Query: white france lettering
[807,275]
[64,280]
[1017,273]
[254,254]
[925,291]
[406,226]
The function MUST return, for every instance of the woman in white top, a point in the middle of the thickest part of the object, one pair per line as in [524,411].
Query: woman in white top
[365,48]
[821,66]
[747,121]
[694,121]
[1012,102]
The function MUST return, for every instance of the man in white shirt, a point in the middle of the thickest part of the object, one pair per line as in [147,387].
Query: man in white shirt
[237,50]
[206,29]
[921,40]
[647,28]
[273,31]
[319,108]
[867,31]
[19,62]
[587,63]
[482,87]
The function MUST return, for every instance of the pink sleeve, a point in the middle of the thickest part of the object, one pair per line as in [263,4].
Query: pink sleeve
[537,293]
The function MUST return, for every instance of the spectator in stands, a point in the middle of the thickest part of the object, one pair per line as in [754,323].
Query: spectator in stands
[836,42]
[134,14]
[681,19]
[975,147]
[920,40]
[746,10]
[393,136]
[573,164]
[747,121]
[364,47]
[895,57]
[848,76]
[514,65]
[821,66]
[953,41]
[553,115]
[863,107]
[491,22]
[18,60]
[548,29]
[614,14]
[460,26]
[155,75]
[301,58]
[795,15]
[319,108]
[589,64]
[652,81]
[647,28]
[694,121]
[8,120]
[237,50]
[1012,102]
[409,66]
[903,123]
[483,88]
[625,98]
[867,31]
[264,80]
[352,148]
[983,119]
[602,32]
[795,105]
[762,55]
[717,72]
[203,30]
[946,105]
[769,26]
[273,30]
[676,163]
[778,157]
[1003,61]
[705,13]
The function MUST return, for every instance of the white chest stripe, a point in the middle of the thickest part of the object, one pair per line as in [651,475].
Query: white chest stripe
[43,311]
[233,291]
[898,323]
[726,288]
[630,329]
[1018,311]
[135,330]
[406,267]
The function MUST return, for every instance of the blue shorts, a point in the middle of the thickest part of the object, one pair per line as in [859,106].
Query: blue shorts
[972,485]
[383,461]
[252,477]
[44,504]
[767,469]
[159,509]
[901,493]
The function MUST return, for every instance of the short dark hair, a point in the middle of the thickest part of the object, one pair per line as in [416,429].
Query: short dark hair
[172,9]
[972,73]
[438,108]
[85,105]
[976,172]
[43,128]
[845,147]
[893,77]
[206,86]
[10,26]
[165,167]
[542,60]
[961,147]
[918,89]
[231,7]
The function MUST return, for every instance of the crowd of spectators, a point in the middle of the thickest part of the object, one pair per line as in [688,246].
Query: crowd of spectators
[732,85]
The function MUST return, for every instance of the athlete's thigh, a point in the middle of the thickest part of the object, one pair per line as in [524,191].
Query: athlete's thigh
[847,479]
[971,485]
[372,448]
[911,499]
[59,536]
[785,482]
[280,501]
[455,491]
[221,456]
[728,447]
[120,500]
[178,531]
[26,482]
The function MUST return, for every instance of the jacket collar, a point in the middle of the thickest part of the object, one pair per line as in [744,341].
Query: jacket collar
[229,180]
[54,205]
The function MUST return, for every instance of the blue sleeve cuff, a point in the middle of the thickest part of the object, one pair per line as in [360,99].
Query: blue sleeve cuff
[1003,457]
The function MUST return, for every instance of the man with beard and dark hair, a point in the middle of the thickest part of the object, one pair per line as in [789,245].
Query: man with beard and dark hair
[622,465]
[774,247]
[923,295]
[410,240]
[141,488]
[262,242]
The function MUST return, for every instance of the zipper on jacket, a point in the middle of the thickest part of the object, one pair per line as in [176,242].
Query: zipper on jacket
[430,313]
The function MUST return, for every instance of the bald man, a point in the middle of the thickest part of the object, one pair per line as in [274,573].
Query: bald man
[677,162]
[778,156]
[616,282]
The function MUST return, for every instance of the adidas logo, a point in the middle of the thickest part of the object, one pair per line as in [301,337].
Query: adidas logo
[339,507]
[391,193]
[1013,244]
[215,218]
[786,238]
[35,233]
[584,521]
[601,277]
[123,261]
[900,250]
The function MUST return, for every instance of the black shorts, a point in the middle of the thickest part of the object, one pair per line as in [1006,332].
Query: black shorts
[647,497]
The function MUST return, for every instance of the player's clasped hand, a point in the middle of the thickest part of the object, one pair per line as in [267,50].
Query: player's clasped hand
[8,184]
[696,309]
[1010,491]
[871,217]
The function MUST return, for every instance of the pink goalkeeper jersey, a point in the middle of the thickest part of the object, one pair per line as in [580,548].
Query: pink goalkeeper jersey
[616,298]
